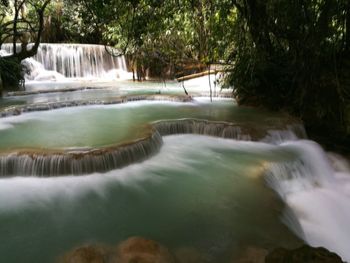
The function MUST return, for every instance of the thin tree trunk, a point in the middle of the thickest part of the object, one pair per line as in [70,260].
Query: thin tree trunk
[211,92]
[347,30]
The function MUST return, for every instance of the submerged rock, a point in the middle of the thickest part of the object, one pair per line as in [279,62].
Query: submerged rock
[132,250]
[87,254]
[305,254]
[142,250]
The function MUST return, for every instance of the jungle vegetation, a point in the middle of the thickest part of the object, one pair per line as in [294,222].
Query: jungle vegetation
[289,55]
[21,23]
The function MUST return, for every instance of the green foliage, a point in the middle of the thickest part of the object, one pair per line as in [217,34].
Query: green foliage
[21,22]
[291,55]
[288,55]
[64,23]
[10,74]
[170,34]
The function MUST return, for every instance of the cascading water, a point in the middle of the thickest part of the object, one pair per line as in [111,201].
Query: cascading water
[80,161]
[85,152]
[56,61]
[190,178]
[197,194]
[318,193]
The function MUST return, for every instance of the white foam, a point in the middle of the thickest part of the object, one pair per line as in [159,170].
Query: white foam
[22,192]
[55,62]
[318,195]
[324,214]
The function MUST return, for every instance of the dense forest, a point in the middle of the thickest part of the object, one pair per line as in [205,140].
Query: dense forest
[289,55]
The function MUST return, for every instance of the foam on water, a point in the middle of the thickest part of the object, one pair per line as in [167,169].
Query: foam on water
[189,194]
[317,193]
[55,62]
[299,171]
[20,192]
[24,192]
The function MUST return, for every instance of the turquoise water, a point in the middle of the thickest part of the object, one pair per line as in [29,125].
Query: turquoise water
[96,126]
[199,192]
[106,90]
[211,196]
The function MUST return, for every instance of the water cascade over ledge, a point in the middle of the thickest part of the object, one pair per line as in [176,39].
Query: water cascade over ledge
[315,186]
[58,61]
[33,159]
[53,163]
[298,170]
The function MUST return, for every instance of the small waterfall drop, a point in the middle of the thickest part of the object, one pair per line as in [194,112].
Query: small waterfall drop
[311,169]
[76,162]
[56,61]
[314,185]
[316,188]
[202,127]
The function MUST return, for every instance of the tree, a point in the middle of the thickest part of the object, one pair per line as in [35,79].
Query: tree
[162,37]
[21,23]
[293,55]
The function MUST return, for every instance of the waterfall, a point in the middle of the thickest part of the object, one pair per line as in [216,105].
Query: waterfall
[79,161]
[316,188]
[202,127]
[230,130]
[311,169]
[76,162]
[291,133]
[54,61]
[46,162]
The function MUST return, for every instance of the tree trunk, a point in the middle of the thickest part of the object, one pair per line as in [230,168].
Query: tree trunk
[347,30]
[1,87]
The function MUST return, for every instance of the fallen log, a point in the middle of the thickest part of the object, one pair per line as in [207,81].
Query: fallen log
[200,74]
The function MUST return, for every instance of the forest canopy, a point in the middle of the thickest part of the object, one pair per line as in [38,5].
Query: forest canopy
[290,55]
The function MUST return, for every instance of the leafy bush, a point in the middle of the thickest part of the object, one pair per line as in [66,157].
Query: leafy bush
[11,74]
